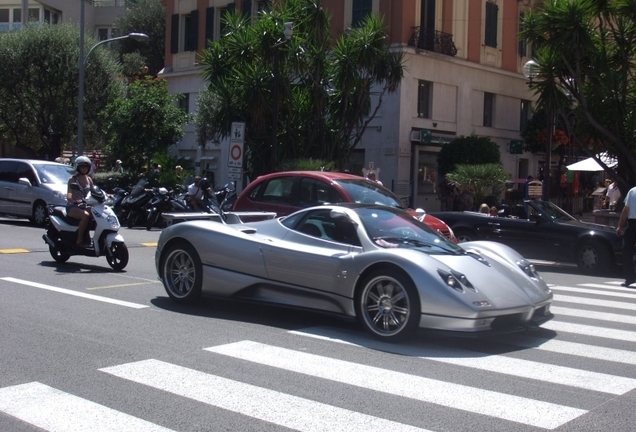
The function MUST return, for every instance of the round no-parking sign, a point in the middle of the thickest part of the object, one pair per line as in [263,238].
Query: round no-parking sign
[236,155]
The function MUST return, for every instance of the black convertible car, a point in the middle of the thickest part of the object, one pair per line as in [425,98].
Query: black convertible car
[541,230]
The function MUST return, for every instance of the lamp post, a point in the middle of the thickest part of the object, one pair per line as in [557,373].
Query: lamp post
[531,71]
[83,60]
[288,32]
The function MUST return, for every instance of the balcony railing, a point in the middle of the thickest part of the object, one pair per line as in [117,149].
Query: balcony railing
[110,3]
[433,40]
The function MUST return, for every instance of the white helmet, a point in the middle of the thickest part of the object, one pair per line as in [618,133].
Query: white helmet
[82,160]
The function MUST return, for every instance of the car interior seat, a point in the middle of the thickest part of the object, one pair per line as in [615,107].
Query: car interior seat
[310,229]
[345,232]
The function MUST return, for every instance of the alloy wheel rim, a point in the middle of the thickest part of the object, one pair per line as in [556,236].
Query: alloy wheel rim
[180,273]
[385,306]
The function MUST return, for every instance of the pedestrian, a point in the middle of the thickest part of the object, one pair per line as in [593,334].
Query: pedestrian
[371,176]
[484,208]
[627,228]
[494,211]
[612,195]
[118,168]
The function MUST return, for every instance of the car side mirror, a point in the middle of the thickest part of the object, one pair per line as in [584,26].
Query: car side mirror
[24,181]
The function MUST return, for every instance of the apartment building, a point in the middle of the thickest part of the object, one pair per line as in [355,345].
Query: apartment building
[463,76]
[99,15]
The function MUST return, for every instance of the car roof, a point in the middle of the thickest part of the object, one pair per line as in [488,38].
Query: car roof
[33,161]
[324,175]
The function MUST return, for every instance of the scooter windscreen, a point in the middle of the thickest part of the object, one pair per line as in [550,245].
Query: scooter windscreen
[139,188]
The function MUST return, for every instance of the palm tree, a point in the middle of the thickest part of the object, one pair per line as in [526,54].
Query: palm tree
[480,181]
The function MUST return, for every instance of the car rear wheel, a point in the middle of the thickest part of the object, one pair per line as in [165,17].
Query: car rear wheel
[182,273]
[387,304]
[592,257]
[464,235]
[40,213]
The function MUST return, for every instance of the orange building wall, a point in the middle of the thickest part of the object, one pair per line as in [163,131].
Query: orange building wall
[510,29]
[474,31]
[447,16]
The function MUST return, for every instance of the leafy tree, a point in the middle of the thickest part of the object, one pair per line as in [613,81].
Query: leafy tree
[482,180]
[585,50]
[143,123]
[323,88]
[39,76]
[148,17]
[472,149]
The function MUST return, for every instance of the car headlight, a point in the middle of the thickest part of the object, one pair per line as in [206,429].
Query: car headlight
[59,195]
[528,269]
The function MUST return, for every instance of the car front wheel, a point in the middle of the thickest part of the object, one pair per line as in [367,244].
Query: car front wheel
[40,213]
[388,305]
[182,273]
[464,235]
[592,257]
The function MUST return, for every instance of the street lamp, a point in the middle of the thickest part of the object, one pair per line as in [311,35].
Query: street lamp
[531,71]
[287,32]
[82,68]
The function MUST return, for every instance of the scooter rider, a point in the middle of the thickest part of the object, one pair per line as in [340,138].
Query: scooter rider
[196,191]
[79,186]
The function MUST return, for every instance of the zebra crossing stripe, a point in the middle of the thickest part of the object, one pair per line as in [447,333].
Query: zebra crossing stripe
[614,285]
[626,295]
[595,302]
[509,407]
[278,408]
[587,330]
[605,316]
[554,374]
[54,410]
[575,348]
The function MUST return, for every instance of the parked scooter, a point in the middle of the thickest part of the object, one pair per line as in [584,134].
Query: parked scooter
[159,203]
[134,205]
[226,196]
[61,233]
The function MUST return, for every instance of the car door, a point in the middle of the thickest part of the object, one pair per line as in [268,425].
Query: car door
[23,195]
[8,183]
[320,260]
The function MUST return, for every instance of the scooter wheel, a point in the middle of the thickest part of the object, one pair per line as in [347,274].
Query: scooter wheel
[58,256]
[118,257]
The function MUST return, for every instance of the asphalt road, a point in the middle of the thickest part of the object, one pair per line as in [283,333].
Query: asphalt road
[86,348]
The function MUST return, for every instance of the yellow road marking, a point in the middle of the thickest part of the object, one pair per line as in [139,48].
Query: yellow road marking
[13,251]
[149,244]
[121,286]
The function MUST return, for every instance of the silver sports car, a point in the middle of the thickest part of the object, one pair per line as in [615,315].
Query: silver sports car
[375,263]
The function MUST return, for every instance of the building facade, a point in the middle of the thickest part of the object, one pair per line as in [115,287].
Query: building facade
[463,76]
[99,15]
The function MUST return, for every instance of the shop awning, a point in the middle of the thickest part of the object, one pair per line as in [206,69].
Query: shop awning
[590,164]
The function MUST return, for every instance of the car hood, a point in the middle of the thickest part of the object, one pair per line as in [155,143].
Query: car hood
[500,281]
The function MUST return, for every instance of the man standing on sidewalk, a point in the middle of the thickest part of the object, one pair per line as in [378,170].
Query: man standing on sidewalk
[627,224]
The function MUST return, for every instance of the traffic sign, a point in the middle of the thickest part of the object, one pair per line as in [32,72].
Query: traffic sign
[236,155]
[238,132]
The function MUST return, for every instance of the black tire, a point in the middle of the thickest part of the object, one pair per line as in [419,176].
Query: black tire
[387,304]
[118,258]
[593,257]
[182,273]
[130,221]
[152,219]
[464,235]
[59,257]
[40,213]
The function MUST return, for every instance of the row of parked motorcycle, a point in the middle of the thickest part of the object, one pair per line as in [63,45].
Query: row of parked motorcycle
[145,206]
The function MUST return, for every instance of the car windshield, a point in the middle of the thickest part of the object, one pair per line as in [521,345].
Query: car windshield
[551,211]
[54,174]
[369,192]
[390,228]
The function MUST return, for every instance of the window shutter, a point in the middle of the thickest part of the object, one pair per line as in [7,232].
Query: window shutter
[359,10]
[174,34]
[246,9]
[492,12]
[194,29]
[209,26]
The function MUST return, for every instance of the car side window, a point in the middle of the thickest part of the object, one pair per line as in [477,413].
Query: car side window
[312,192]
[8,171]
[25,171]
[279,190]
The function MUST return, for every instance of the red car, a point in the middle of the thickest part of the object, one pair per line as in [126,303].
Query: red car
[288,191]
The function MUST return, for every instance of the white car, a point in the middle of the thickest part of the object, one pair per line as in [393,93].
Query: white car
[28,186]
